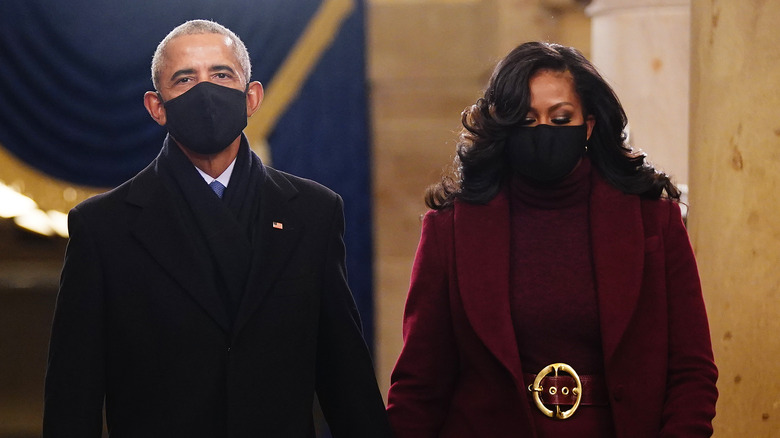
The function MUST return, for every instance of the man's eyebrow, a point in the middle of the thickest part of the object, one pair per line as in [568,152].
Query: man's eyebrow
[191,71]
[216,68]
[182,72]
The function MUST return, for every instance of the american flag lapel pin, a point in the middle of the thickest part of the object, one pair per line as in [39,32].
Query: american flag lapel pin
[277,225]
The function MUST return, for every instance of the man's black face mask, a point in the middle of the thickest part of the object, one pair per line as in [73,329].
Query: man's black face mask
[207,117]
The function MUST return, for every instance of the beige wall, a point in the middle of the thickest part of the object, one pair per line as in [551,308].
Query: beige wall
[428,60]
[734,204]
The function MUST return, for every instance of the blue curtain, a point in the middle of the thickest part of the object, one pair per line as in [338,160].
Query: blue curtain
[73,74]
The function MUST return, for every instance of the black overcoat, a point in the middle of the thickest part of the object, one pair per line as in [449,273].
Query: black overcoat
[138,325]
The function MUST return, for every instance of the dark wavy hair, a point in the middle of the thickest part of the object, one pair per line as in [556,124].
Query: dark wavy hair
[480,167]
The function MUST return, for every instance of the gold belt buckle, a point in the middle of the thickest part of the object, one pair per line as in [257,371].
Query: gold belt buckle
[536,389]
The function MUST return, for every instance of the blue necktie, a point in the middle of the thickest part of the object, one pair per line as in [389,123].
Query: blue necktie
[218,188]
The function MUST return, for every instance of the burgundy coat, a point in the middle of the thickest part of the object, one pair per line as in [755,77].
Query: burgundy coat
[459,373]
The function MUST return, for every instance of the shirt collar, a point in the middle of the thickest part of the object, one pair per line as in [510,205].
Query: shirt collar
[223,178]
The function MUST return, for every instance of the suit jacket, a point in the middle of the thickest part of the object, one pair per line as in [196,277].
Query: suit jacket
[138,324]
[459,373]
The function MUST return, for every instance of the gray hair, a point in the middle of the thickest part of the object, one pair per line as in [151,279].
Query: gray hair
[197,27]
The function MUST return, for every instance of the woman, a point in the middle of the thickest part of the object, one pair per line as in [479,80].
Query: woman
[554,292]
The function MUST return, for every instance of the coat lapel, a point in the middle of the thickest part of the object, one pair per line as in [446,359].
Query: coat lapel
[482,247]
[617,238]
[278,233]
[482,262]
[160,230]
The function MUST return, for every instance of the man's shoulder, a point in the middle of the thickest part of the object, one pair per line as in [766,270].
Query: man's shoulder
[288,182]
[114,197]
[105,199]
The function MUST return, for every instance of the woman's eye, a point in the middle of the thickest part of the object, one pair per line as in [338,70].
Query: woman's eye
[527,121]
[561,120]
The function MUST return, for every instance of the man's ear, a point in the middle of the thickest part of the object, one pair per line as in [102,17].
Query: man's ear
[254,97]
[154,105]
[590,122]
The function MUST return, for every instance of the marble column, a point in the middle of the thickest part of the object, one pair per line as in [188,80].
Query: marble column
[642,49]
[735,198]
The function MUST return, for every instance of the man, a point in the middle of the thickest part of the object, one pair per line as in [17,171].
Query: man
[192,311]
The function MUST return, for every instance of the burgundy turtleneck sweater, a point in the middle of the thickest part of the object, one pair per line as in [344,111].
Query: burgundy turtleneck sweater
[553,295]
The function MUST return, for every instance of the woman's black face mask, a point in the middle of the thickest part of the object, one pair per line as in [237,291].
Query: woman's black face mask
[546,153]
[207,117]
